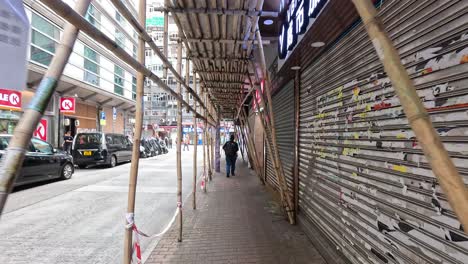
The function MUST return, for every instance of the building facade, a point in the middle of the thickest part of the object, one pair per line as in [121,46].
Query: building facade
[101,84]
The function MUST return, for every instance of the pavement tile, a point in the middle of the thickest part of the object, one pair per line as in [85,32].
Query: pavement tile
[236,222]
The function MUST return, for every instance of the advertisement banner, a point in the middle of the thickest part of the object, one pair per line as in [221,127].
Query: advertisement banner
[10,100]
[14,43]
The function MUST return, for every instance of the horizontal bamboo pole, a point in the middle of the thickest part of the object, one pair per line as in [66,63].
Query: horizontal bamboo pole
[65,11]
[441,164]
[218,11]
[125,13]
[221,41]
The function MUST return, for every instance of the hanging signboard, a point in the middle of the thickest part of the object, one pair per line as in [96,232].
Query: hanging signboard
[114,113]
[67,105]
[299,15]
[10,100]
[102,120]
[14,42]
[41,130]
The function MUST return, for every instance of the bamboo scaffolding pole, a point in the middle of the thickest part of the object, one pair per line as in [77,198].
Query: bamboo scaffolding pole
[219,11]
[195,144]
[132,183]
[241,141]
[187,80]
[222,41]
[67,13]
[208,154]
[141,30]
[205,160]
[179,146]
[435,152]
[217,147]
[10,164]
[165,42]
[253,151]
[279,165]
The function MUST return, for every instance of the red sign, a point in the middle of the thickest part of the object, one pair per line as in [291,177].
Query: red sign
[41,130]
[10,100]
[67,105]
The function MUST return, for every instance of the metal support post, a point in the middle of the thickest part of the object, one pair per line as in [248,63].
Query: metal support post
[136,143]
[420,122]
[10,164]
[179,141]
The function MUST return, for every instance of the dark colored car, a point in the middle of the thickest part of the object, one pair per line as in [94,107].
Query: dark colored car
[148,148]
[157,148]
[96,148]
[42,162]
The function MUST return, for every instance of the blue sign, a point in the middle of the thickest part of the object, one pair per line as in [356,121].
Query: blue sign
[297,21]
[114,113]
[103,115]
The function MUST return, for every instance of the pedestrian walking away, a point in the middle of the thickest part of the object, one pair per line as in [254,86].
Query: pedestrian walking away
[230,150]
[186,142]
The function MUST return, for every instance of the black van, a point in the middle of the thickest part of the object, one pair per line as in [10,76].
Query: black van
[96,148]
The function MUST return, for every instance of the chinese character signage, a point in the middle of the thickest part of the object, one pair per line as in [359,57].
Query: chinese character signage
[14,42]
[298,17]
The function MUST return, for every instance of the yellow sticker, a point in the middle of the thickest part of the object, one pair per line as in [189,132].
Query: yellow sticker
[340,95]
[401,135]
[356,135]
[400,168]
[346,151]
[354,174]
[356,91]
[363,115]
[368,107]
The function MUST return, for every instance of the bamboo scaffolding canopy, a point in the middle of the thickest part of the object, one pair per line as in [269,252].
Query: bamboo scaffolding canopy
[218,11]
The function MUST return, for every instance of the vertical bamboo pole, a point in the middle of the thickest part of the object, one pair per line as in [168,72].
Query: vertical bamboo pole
[442,166]
[10,164]
[179,141]
[251,145]
[216,147]
[195,143]
[275,155]
[187,79]
[136,141]
[165,42]
[208,140]
[205,125]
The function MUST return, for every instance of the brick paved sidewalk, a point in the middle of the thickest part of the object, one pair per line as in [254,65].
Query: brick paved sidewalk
[236,222]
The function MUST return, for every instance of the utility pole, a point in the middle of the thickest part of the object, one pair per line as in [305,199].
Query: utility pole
[10,165]
[136,142]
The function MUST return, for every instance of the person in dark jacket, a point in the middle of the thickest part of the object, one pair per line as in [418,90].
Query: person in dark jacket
[230,150]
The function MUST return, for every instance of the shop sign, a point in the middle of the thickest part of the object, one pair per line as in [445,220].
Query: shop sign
[114,113]
[41,130]
[297,20]
[67,105]
[14,43]
[10,100]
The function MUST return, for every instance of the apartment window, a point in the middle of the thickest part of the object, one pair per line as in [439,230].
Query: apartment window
[91,65]
[134,81]
[134,51]
[119,38]
[93,16]
[44,37]
[118,80]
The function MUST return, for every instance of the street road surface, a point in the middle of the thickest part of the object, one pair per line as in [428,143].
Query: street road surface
[82,220]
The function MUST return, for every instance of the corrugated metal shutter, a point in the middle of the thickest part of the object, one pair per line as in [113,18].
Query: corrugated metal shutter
[363,178]
[283,107]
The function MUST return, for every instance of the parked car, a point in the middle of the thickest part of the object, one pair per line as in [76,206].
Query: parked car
[42,162]
[149,149]
[96,148]
[164,148]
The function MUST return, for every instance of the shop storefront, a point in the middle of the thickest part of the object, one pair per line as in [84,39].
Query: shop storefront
[365,187]
[83,120]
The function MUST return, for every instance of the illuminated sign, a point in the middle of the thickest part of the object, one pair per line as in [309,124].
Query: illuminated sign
[298,17]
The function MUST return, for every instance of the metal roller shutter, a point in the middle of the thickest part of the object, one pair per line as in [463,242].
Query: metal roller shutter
[364,181]
[283,107]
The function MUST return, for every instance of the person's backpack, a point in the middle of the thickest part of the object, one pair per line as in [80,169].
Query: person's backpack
[230,148]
